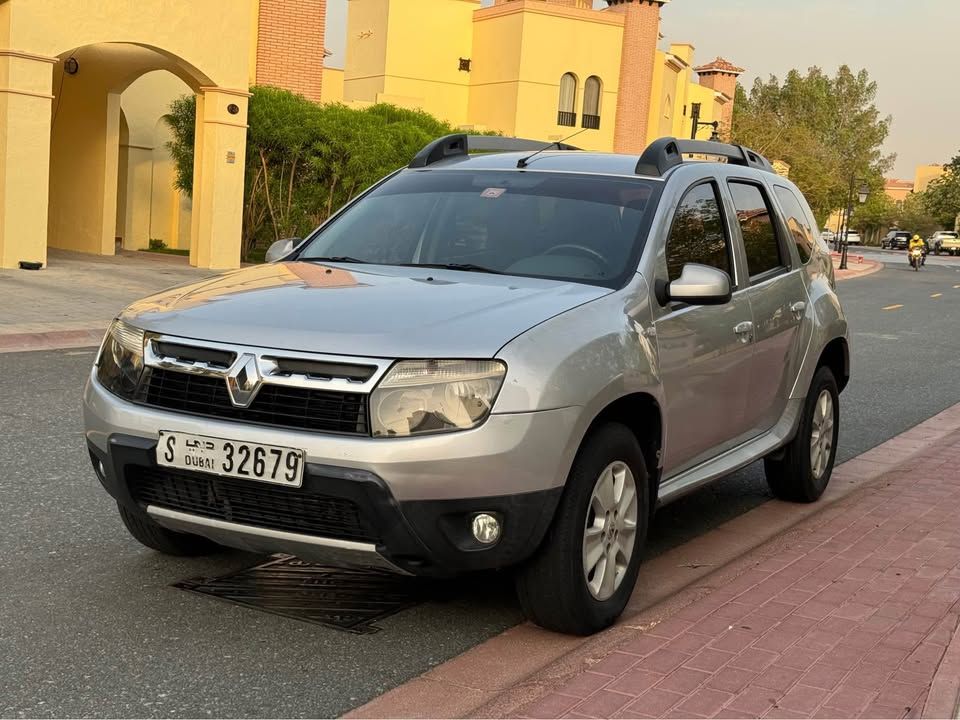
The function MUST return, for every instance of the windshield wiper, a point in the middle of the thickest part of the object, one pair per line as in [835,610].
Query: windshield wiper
[466,267]
[337,258]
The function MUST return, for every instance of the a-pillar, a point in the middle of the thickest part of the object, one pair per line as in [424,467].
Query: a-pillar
[218,174]
[641,32]
[25,106]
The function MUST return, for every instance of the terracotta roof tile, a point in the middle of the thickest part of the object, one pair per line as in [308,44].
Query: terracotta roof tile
[720,65]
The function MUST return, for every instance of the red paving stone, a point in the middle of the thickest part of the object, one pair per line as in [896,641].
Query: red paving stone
[851,622]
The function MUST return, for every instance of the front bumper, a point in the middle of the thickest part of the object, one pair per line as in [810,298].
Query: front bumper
[415,497]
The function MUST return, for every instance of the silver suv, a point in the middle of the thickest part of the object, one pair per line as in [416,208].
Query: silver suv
[506,359]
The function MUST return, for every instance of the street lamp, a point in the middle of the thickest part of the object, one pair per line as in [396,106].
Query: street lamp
[697,123]
[862,195]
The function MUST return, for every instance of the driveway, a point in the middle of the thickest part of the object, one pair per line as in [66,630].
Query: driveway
[77,291]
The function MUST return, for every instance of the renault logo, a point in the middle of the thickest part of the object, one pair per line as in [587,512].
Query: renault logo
[243,380]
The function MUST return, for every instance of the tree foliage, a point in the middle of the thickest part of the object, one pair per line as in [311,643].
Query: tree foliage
[941,199]
[827,129]
[304,160]
[915,217]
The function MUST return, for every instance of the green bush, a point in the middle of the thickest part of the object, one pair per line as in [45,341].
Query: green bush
[304,160]
[157,244]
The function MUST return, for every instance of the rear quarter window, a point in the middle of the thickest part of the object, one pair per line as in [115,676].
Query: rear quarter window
[802,231]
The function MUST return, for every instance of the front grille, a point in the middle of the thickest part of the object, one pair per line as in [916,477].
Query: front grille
[248,502]
[278,405]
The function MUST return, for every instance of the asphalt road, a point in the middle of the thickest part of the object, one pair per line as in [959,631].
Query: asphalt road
[89,624]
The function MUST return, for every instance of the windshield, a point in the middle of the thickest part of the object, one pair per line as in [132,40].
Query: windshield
[949,235]
[585,228]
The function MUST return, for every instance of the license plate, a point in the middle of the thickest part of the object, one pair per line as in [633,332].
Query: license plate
[231,458]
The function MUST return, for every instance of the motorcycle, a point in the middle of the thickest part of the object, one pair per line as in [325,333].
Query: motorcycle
[916,258]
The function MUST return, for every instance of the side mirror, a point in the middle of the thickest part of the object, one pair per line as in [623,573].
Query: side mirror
[698,285]
[280,248]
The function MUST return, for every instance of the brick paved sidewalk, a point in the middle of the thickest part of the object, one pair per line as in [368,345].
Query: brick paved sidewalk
[71,302]
[854,268]
[851,621]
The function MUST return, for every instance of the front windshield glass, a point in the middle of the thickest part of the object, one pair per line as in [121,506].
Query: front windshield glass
[949,235]
[586,228]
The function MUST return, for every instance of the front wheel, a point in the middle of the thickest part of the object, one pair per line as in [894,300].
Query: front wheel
[800,472]
[584,572]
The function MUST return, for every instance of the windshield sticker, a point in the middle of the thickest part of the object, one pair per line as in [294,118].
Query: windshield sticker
[493,192]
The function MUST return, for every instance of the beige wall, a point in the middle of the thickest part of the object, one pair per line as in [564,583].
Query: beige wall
[150,195]
[407,52]
[591,46]
[925,175]
[332,85]
[60,134]
[366,51]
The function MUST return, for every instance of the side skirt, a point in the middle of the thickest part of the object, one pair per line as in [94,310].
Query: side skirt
[672,488]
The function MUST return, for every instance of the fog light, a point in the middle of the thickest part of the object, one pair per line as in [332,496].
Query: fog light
[486,528]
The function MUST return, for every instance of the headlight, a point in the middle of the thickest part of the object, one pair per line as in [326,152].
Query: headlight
[120,363]
[429,396]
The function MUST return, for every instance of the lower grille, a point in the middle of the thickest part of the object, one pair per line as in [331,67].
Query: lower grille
[249,502]
[277,405]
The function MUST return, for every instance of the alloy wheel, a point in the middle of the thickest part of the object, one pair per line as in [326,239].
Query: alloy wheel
[610,530]
[821,437]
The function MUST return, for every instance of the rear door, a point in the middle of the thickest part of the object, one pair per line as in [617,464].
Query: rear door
[705,351]
[778,301]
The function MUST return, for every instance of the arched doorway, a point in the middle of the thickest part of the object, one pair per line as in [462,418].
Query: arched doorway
[111,179]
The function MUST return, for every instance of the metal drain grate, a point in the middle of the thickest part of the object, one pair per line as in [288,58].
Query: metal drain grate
[342,599]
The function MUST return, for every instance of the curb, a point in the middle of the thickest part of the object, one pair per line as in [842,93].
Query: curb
[867,267]
[53,340]
[943,700]
[507,672]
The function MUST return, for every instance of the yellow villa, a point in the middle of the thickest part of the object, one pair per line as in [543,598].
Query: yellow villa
[85,86]
[534,68]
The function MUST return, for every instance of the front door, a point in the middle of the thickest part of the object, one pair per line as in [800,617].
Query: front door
[705,351]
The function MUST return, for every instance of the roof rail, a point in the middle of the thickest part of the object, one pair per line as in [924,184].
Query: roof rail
[668,152]
[460,144]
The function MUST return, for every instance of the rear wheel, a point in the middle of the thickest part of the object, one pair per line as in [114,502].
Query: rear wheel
[158,538]
[582,576]
[800,472]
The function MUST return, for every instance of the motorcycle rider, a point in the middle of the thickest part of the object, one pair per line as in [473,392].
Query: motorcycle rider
[917,242]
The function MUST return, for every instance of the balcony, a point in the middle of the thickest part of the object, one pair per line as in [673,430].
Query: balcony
[591,122]
[568,119]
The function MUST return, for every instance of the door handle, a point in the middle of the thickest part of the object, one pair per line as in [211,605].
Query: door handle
[744,330]
[797,308]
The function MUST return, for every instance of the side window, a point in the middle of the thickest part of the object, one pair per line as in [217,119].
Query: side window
[797,222]
[756,225]
[698,234]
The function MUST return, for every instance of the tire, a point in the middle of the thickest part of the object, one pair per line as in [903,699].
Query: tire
[149,533]
[790,473]
[552,586]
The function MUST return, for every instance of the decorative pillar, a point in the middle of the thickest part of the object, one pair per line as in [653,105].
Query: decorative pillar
[218,178]
[641,32]
[25,112]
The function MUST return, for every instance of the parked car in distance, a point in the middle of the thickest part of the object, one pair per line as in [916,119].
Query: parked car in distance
[945,241]
[853,238]
[828,236]
[896,240]
[505,360]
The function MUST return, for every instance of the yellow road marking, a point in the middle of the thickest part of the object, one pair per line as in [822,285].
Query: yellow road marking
[892,307]
[936,295]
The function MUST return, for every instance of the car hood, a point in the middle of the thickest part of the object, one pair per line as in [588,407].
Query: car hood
[363,310]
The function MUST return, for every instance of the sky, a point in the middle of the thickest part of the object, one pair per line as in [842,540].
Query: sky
[908,46]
